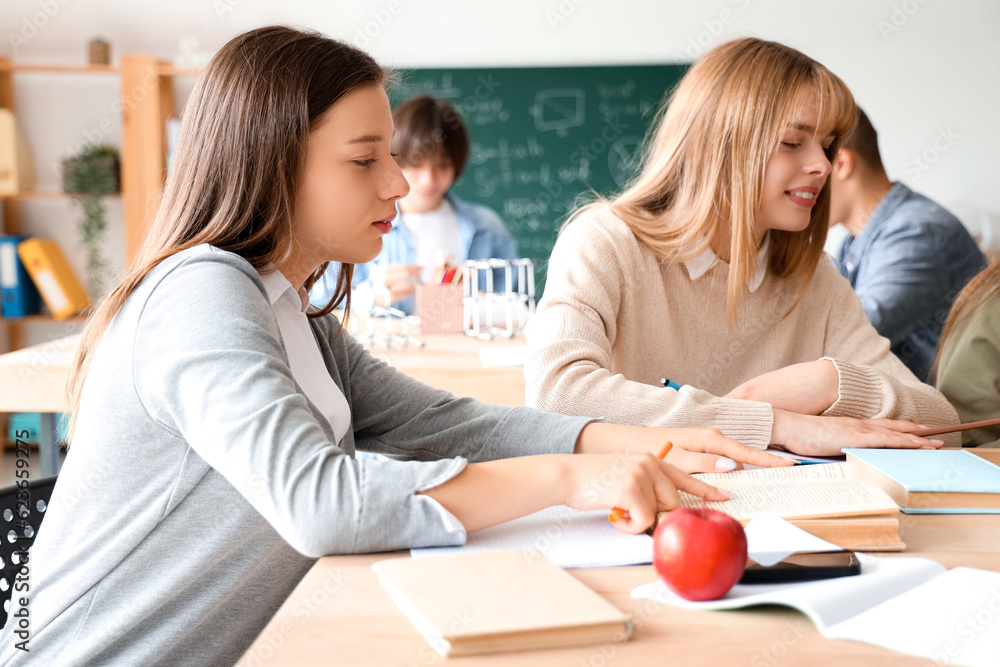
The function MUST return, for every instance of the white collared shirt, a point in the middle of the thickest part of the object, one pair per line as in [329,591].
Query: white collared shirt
[700,265]
[308,367]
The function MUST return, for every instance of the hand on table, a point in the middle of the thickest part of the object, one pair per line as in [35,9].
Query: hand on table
[826,436]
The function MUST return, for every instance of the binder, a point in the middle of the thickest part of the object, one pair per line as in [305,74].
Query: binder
[55,280]
[15,162]
[18,295]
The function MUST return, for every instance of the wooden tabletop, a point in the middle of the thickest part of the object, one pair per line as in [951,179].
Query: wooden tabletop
[339,614]
[34,379]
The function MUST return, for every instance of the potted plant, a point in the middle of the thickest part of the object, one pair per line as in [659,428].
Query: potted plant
[89,176]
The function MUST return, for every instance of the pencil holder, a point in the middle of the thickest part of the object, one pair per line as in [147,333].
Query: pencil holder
[440,309]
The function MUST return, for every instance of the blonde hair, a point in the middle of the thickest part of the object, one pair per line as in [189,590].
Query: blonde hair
[239,159]
[702,174]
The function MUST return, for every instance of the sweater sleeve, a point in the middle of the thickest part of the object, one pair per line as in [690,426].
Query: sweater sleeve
[873,383]
[569,369]
[209,367]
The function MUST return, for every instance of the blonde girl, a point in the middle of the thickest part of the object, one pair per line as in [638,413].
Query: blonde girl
[708,270]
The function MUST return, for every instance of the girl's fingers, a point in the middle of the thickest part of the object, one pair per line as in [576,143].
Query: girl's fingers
[696,487]
[721,454]
[893,425]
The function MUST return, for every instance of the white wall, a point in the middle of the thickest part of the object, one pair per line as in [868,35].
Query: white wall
[926,71]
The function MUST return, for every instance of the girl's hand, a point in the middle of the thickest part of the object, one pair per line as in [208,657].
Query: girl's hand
[808,388]
[640,484]
[826,436]
[395,282]
[695,449]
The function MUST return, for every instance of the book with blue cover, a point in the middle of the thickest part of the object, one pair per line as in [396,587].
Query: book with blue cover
[927,481]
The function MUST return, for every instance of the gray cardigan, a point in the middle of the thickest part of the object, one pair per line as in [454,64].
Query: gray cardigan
[202,484]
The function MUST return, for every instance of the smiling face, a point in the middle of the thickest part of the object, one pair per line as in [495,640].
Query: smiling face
[350,182]
[796,171]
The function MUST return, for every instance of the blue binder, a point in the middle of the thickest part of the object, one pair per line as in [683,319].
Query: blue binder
[18,294]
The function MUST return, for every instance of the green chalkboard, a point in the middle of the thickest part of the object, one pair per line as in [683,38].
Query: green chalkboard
[542,136]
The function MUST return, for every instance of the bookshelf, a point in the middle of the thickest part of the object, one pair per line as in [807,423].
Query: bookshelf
[147,96]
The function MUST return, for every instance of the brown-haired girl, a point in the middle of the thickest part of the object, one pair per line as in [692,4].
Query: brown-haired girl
[708,270]
[216,418]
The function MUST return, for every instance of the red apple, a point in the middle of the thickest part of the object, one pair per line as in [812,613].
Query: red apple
[699,553]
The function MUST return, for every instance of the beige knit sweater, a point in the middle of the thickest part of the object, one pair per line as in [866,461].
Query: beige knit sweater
[615,319]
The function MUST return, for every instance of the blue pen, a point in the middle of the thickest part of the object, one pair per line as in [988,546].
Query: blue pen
[667,384]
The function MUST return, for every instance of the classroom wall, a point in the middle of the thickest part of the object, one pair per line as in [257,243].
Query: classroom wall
[926,71]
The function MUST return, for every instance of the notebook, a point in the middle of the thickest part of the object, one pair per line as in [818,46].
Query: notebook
[923,481]
[499,601]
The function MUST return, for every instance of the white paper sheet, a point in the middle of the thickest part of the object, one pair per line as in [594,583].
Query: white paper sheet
[567,537]
[770,538]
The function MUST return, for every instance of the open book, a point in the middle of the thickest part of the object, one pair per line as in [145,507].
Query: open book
[799,492]
[499,601]
[829,501]
[906,604]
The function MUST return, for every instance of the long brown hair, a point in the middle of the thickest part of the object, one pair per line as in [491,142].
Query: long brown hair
[702,173]
[238,161]
[981,289]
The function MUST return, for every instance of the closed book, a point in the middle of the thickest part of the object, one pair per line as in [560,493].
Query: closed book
[857,533]
[943,479]
[499,601]
[52,275]
[18,294]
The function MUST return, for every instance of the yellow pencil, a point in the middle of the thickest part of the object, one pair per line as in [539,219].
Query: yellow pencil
[618,512]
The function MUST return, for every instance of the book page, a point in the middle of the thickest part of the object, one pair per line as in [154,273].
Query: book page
[826,602]
[953,618]
[799,499]
[816,471]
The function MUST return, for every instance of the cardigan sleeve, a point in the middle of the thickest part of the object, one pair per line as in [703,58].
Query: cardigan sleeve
[398,416]
[872,382]
[209,367]
[571,338]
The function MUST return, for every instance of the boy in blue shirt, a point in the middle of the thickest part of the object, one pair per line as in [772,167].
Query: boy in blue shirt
[906,256]
[431,146]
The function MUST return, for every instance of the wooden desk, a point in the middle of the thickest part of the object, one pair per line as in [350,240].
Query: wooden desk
[33,379]
[452,362]
[340,614]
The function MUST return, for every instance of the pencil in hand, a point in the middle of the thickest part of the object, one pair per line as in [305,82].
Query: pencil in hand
[617,512]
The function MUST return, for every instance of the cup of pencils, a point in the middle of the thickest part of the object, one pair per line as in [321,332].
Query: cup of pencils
[439,301]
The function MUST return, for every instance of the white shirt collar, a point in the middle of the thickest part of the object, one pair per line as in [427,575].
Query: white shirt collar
[699,266]
[276,285]
[304,357]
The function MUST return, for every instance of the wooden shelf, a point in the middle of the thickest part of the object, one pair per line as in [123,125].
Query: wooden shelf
[143,153]
[45,194]
[81,318]
[166,69]
[59,69]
